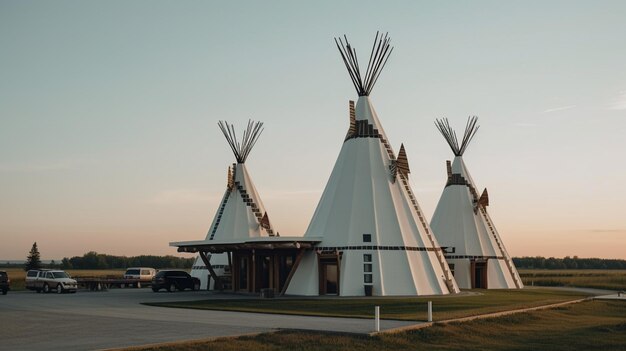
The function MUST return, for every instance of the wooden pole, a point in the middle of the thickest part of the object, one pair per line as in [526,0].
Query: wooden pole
[253,283]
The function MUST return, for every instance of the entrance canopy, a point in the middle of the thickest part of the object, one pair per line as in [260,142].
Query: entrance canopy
[258,243]
[255,264]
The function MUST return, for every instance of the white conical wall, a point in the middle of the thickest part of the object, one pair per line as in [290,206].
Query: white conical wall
[469,231]
[238,217]
[362,197]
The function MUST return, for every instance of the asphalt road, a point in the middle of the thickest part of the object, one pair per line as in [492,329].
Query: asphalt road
[116,318]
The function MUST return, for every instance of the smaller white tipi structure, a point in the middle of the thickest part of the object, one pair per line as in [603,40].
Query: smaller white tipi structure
[241,213]
[461,223]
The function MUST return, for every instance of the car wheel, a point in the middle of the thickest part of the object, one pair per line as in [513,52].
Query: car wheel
[196,286]
[4,292]
[155,289]
[46,288]
[59,289]
[171,288]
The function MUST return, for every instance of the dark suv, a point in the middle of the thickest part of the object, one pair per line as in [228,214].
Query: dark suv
[4,282]
[174,280]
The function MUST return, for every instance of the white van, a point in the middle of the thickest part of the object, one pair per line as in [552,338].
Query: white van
[142,274]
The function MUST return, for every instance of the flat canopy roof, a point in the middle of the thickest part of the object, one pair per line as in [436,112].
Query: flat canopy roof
[270,243]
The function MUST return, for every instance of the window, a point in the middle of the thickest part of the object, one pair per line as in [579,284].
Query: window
[60,275]
[367,268]
[367,238]
[31,274]
[145,272]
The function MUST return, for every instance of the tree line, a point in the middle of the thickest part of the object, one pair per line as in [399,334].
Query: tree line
[94,260]
[567,262]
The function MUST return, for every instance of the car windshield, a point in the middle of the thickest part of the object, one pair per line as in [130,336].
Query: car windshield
[160,274]
[132,271]
[60,275]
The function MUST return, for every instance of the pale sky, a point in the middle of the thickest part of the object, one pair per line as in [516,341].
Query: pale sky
[109,110]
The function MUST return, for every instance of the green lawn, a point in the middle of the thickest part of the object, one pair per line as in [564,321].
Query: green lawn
[406,308]
[588,278]
[594,325]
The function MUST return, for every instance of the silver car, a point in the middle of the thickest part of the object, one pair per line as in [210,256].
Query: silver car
[50,280]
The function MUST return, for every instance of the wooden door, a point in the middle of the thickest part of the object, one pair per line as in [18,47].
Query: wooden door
[479,275]
[329,278]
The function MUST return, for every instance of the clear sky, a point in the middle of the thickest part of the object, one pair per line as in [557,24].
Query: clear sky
[108,113]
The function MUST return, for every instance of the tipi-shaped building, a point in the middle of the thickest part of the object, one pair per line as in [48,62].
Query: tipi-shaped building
[374,236]
[241,213]
[474,249]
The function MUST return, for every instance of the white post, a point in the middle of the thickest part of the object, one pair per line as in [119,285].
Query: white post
[377,318]
[430,311]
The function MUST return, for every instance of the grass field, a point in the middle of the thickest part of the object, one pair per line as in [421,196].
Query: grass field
[588,278]
[594,325]
[405,308]
[17,275]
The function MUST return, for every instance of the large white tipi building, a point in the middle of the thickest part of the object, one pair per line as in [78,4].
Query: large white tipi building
[474,249]
[241,214]
[374,236]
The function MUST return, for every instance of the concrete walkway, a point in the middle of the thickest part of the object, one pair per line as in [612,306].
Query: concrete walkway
[621,297]
[590,291]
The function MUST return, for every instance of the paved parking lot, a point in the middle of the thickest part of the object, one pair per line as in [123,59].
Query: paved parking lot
[116,318]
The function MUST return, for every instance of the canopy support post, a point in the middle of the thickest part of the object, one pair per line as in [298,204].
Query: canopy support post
[207,262]
[292,272]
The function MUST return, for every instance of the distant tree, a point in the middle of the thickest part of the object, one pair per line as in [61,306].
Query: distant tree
[33,261]
[65,263]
